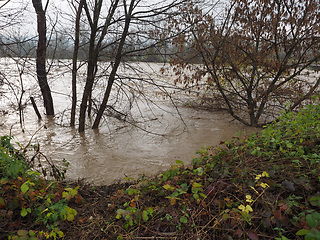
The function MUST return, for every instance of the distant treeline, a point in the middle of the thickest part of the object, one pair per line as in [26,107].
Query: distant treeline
[62,48]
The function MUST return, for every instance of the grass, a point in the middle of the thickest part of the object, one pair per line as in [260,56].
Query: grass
[266,186]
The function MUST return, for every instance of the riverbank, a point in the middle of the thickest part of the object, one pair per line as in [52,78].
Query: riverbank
[266,186]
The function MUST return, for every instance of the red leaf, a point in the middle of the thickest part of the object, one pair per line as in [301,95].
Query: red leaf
[78,199]
[238,233]
[283,206]
[133,203]
[252,235]
[57,197]
[281,218]
[278,215]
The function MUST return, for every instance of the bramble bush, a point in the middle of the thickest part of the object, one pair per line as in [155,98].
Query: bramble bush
[291,146]
[26,198]
[265,184]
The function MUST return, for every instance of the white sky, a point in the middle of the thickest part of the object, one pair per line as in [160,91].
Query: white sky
[27,22]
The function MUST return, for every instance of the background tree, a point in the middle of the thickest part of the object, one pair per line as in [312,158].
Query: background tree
[252,55]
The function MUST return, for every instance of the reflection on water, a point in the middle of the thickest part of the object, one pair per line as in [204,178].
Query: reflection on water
[119,149]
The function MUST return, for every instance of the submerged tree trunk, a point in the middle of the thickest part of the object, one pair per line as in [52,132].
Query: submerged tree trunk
[74,64]
[41,58]
[91,63]
[115,66]
[89,84]
[94,48]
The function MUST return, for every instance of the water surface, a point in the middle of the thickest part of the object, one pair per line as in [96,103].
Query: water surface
[118,148]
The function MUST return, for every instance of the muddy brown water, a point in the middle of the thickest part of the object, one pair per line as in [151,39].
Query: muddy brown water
[117,149]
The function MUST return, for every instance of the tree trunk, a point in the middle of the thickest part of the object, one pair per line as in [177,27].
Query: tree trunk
[74,64]
[90,103]
[93,54]
[89,83]
[41,58]
[115,67]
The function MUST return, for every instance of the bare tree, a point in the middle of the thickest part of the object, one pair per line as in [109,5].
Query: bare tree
[113,36]
[94,48]
[128,15]
[75,62]
[252,56]
[41,56]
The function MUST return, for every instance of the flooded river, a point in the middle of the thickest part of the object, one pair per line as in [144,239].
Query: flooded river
[151,140]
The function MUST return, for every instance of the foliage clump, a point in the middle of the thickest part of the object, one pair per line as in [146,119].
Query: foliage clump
[30,206]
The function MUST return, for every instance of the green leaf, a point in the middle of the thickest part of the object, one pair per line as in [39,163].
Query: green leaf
[203,195]
[22,232]
[120,213]
[175,194]
[53,234]
[54,217]
[131,191]
[24,187]
[284,238]
[264,185]
[130,222]
[24,212]
[245,209]
[313,219]
[313,234]
[302,232]
[249,199]
[180,162]
[184,219]
[200,171]
[150,210]
[168,187]
[70,217]
[32,233]
[66,195]
[196,185]
[196,196]
[289,145]
[315,201]
[60,234]
[145,216]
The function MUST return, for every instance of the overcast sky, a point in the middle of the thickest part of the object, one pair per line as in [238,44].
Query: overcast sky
[27,22]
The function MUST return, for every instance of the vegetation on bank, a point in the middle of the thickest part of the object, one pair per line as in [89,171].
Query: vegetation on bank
[32,207]
[266,186]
